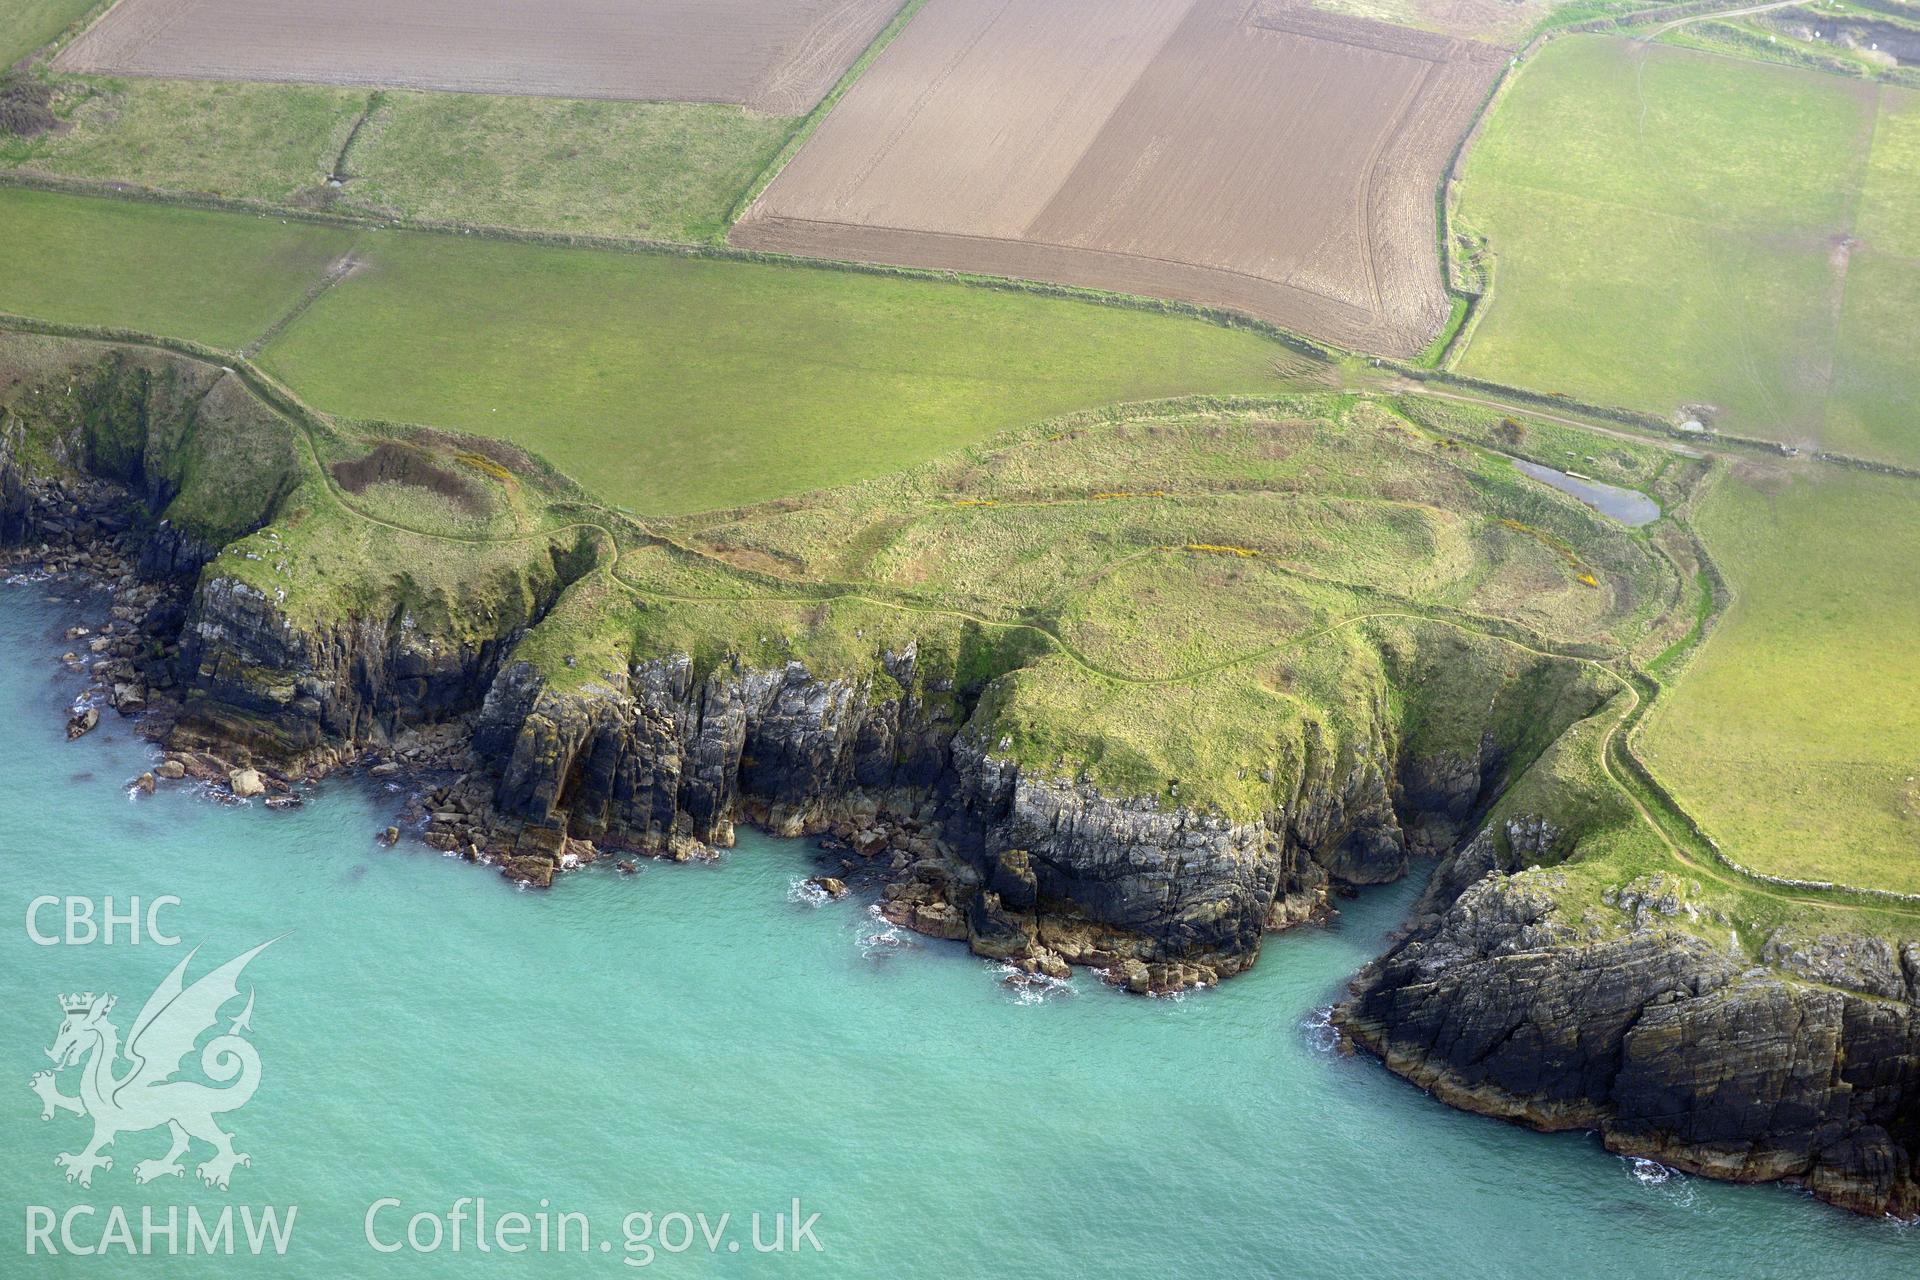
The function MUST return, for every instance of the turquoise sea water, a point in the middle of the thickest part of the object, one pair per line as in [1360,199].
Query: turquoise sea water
[694,1039]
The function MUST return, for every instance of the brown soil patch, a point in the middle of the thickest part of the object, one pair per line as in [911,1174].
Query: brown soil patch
[499,453]
[26,106]
[777,56]
[406,465]
[1264,158]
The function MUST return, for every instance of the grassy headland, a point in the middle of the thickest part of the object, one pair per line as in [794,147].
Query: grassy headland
[1198,603]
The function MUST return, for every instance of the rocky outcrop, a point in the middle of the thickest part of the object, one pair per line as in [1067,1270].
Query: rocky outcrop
[15,501]
[309,695]
[675,757]
[1099,879]
[171,552]
[661,754]
[1659,1031]
[1027,867]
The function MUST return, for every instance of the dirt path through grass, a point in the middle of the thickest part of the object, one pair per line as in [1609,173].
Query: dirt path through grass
[1407,386]
[1713,15]
[337,271]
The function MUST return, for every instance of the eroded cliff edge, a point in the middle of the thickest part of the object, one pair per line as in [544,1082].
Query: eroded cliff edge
[1023,864]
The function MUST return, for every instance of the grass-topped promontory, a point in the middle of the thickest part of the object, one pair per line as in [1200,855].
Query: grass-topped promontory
[1198,604]
[1203,604]
[1195,604]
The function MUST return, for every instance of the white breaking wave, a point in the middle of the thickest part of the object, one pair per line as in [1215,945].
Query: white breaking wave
[1032,988]
[802,890]
[1670,1185]
[1322,1035]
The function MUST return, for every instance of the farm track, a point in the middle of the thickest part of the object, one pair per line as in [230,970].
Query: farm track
[1714,15]
[1503,406]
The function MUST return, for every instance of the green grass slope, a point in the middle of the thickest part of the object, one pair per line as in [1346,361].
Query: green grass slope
[216,278]
[664,383]
[25,25]
[1676,228]
[1794,736]
[671,384]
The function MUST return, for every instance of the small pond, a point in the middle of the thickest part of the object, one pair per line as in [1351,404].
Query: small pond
[1628,506]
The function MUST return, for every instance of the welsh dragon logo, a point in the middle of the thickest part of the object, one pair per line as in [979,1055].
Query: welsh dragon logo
[145,1094]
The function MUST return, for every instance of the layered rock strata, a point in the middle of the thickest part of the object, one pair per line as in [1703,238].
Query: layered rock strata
[1659,1030]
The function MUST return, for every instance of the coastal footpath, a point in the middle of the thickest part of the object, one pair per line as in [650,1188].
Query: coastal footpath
[1019,771]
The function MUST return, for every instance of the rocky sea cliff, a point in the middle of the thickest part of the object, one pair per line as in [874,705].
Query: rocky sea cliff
[1656,1030]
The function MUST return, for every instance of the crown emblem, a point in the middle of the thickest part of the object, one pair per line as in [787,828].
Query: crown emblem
[77,1003]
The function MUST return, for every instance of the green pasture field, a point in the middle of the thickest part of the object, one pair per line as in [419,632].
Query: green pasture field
[662,382]
[1675,229]
[671,384]
[630,170]
[1794,735]
[25,25]
[271,143]
[622,170]
[216,278]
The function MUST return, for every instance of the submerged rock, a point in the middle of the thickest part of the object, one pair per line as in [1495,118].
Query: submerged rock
[829,885]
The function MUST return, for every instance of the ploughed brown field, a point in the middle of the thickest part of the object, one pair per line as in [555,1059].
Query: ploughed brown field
[777,56]
[1257,156]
